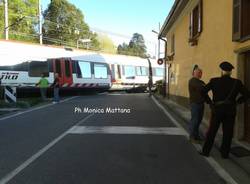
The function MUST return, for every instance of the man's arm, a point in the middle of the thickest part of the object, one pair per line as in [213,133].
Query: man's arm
[38,82]
[245,94]
[205,91]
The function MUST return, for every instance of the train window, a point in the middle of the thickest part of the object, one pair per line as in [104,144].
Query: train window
[67,68]
[83,70]
[143,71]
[58,67]
[18,67]
[100,71]
[37,68]
[129,71]
[50,63]
[138,71]
[159,72]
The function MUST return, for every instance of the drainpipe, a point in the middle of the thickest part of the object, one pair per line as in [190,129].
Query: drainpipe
[166,71]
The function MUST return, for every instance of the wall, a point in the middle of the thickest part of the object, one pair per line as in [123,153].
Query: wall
[214,46]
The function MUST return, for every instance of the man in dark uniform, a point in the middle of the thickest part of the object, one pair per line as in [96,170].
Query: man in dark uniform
[225,92]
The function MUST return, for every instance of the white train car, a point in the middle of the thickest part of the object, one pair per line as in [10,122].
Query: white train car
[126,71]
[22,64]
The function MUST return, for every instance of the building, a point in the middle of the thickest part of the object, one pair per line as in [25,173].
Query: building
[207,32]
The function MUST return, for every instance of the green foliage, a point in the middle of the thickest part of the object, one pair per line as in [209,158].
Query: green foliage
[106,44]
[23,19]
[136,46]
[64,23]
[159,87]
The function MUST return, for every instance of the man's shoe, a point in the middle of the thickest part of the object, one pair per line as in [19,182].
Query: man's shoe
[198,138]
[195,141]
[192,140]
[225,156]
[203,154]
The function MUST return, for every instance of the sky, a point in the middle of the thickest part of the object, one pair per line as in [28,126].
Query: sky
[121,18]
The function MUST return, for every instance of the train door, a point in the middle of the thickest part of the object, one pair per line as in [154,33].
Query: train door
[64,69]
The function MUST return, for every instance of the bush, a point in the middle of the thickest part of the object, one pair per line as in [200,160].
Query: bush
[160,87]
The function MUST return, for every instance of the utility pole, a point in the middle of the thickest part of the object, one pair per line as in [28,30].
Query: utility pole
[40,22]
[6,24]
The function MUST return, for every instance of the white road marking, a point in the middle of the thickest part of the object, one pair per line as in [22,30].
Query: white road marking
[34,109]
[220,170]
[116,94]
[125,130]
[169,116]
[21,167]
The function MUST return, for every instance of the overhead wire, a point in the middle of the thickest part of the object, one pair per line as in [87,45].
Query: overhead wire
[55,40]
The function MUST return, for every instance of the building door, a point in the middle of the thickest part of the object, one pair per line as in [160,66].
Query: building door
[64,69]
[247,105]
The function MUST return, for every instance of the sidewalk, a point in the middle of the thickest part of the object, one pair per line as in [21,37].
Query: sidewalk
[237,167]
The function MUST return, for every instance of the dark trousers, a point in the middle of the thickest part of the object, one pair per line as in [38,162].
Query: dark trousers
[56,95]
[43,93]
[227,119]
[197,111]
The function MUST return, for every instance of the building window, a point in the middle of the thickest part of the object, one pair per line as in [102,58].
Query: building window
[195,26]
[241,23]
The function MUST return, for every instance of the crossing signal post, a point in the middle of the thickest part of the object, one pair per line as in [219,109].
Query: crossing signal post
[160,61]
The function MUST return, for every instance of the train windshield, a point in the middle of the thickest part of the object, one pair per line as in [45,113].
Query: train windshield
[84,70]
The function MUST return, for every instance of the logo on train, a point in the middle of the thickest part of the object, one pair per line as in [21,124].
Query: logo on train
[8,76]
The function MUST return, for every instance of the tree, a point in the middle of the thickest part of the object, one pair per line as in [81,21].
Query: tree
[22,18]
[136,46]
[64,23]
[106,44]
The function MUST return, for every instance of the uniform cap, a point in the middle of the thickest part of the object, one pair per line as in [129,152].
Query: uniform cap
[226,66]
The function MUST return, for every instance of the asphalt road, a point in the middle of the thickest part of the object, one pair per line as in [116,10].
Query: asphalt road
[62,144]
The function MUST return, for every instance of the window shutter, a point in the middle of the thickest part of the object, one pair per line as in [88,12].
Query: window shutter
[173,44]
[191,25]
[237,19]
[245,23]
[200,17]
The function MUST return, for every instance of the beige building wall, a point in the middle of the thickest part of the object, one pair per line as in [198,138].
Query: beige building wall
[214,46]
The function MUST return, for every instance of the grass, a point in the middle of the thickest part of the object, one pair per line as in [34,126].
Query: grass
[21,103]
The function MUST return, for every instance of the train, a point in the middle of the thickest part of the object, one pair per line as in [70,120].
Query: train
[22,64]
